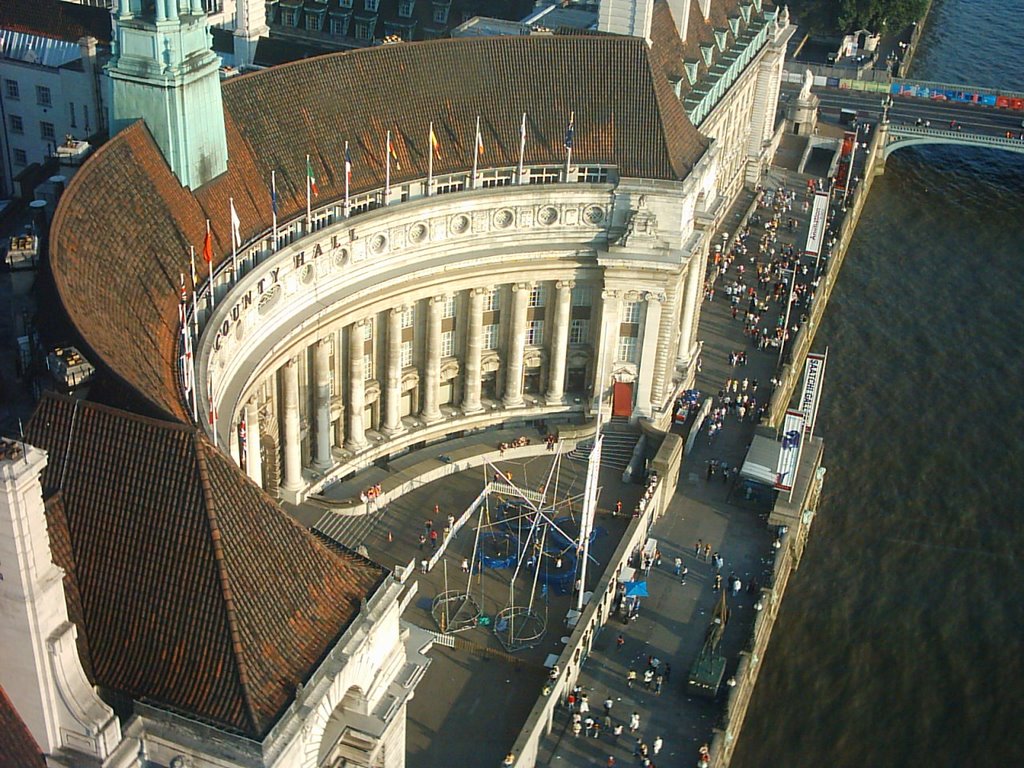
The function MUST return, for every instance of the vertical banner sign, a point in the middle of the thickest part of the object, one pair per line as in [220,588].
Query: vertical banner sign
[814,375]
[789,454]
[816,228]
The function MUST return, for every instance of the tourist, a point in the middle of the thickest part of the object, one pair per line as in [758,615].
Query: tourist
[630,678]
[683,574]
[634,722]
[656,746]
[677,566]
[619,642]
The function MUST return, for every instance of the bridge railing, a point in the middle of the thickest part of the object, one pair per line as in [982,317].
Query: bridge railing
[902,130]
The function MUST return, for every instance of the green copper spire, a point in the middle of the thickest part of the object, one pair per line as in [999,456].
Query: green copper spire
[164,71]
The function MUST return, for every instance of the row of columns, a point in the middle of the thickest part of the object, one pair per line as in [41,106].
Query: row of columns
[391,421]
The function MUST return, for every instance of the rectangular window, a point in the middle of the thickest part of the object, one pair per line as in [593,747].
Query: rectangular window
[492,302]
[441,14]
[544,175]
[581,296]
[11,89]
[367,331]
[339,26]
[85,117]
[449,307]
[537,296]
[313,22]
[43,96]
[367,367]
[406,354]
[579,331]
[17,124]
[627,349]
[408,317]
[47,132]
[490,337]
[345,3]
[372,5]
[447,343]
[592,175]
[631,312]
[405,8]
[450,184]
[535,333]
[362,30]
[20,158]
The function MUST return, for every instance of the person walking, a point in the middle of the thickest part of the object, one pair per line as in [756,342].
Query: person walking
[677,566]
[657,745]
[683,574]
[619,642]
[630,678]
[634,722]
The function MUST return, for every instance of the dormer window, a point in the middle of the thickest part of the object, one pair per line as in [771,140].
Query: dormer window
[371,5]
[734,25]
[721,39]
[745,10]
[691,68]
[405,8]
[709,54]
[345,3]
[441,13]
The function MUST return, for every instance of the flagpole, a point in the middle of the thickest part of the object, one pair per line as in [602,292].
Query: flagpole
[273,203]
[234,241]
[522,148]
[213,409]
[476,149]
[387,169]
[430,158]
[194,331]
[348,173]
[309,202]
[568,144]
[213,293]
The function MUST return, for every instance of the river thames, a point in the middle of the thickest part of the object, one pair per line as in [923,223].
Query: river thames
[898,642]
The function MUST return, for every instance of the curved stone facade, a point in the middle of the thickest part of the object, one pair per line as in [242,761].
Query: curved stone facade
[453,312]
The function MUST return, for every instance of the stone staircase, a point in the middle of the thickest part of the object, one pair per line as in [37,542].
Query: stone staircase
[619,441]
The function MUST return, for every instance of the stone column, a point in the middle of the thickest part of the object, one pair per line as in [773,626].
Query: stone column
[253,455]
[356,388]
[431,411]
[611,318]
[694,290]
[393,396]
[322,394]
[559,342]
[474,347]
[648,353]
[516,347]
[292,480]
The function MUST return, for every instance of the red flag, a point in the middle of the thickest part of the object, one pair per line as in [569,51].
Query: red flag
[208,245]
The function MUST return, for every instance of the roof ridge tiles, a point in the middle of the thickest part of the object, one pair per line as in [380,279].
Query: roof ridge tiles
[237,645]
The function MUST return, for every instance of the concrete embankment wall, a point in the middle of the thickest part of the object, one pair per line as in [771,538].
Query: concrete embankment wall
[792,371]
[596,613]
[797,516]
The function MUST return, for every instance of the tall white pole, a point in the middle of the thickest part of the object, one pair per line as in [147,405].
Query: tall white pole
[589,508]
[273,201]
[522,149]
[430,159]
[387,169]
[234,241]
[476,151]
[309,202]
[789,305]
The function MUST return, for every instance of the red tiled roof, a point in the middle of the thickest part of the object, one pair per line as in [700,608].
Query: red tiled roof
[52,18]
[18,748]
[121,234]
[198,594]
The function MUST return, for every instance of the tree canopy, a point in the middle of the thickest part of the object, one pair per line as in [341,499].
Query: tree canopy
[841,16]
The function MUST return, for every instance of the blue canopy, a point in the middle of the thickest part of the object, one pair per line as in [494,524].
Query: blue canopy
[636,589]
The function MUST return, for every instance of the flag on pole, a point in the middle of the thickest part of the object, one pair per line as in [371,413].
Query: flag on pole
[570,131]
[348,175]
[236,225]
[478,149]
[435,145]
[522,147]
[243,441]
[311,178]
[208,245]
[392,154]
[432,140]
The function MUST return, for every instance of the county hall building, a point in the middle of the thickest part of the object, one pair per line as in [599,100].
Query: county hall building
[295,273]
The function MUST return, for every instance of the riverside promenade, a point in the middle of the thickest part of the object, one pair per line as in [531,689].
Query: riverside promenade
[673,621]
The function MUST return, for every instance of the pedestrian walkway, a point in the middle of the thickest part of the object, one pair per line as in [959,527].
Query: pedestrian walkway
[673,621]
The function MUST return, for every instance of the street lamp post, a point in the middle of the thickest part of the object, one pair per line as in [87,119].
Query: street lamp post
[789,307]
